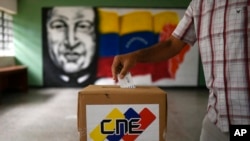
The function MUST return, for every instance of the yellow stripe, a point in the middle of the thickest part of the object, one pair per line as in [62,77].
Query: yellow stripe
[96,134]
[136,21]
[108,22]
[160,19]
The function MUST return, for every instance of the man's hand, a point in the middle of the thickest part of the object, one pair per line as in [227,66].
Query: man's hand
[122,64]
[158,52]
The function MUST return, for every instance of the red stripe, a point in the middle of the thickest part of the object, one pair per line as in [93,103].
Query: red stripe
[212,46]
[231,60]
[225,62]
[246,52]
[103,68]
[212,55]
[199,22]
[236,116]
[218,34]
[147,117]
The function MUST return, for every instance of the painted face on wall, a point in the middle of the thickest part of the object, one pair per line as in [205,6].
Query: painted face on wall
[71,37]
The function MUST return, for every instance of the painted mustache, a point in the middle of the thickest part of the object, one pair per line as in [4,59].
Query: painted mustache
[73,56]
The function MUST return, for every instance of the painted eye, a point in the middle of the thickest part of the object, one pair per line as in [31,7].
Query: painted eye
[84,26]
[58,25]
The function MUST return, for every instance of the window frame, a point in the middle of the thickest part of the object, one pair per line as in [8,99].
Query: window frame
[6,34]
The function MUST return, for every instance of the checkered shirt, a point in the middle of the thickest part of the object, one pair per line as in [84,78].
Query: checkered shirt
[221,29]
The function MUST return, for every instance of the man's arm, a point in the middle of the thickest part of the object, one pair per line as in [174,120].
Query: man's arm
[158,52]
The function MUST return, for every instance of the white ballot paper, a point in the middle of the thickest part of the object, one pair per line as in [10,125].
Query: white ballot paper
[127,81]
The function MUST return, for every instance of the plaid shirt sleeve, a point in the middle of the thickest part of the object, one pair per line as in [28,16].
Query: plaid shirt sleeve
[185,30]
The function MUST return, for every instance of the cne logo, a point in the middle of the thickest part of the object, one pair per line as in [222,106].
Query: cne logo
[122,126]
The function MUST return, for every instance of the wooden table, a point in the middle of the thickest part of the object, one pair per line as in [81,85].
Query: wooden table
[14,78]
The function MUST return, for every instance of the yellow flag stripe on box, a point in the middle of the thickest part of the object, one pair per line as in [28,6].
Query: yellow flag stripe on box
[136,21]
[109,22]
[96,135]
[162,18]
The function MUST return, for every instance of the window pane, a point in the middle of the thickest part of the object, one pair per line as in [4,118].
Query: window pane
[5,24]
[10,25]
[7,16]
[4,30]
[9,32]
[6,38]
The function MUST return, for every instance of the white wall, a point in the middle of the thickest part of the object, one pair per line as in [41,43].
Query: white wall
[9,6]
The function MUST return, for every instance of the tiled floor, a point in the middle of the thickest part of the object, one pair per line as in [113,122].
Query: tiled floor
[50,114]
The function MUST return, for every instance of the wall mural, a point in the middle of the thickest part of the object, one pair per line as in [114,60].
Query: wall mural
[79,44]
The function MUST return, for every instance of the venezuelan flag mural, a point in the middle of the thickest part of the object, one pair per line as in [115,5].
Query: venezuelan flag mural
[124,30]
[109,31]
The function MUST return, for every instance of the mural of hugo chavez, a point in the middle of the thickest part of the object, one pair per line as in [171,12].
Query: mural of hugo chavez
[69,46]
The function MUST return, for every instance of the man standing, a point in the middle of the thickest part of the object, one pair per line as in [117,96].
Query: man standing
[221,29]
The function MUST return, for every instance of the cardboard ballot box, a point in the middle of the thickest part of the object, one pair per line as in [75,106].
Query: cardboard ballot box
[111,113]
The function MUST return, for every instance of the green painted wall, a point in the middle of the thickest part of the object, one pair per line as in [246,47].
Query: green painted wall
[27,27]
